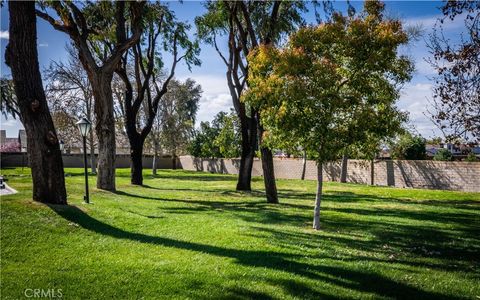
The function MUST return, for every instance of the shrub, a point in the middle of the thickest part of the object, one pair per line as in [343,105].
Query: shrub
[443,155]
[10,147]
[471,157]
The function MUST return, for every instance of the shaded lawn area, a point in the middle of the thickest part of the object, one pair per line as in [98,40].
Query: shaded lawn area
[191,235]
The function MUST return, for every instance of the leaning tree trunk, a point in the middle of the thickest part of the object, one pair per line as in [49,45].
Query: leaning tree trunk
[268,168]
[343,174]
[92,153]
[269,175]
[318,198]
[43,147]
[105,129]
[136,166]
[249,138]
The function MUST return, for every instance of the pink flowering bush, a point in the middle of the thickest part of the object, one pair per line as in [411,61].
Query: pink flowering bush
[10,147]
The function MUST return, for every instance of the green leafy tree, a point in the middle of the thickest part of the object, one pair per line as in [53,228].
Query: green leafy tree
[176,116]
[328,83]
[221,138]
[228,139]
[408,146]
[203,144]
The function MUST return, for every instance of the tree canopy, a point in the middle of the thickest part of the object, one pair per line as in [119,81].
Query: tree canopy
[330,81]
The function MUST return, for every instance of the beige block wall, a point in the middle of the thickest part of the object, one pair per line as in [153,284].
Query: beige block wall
[460,176]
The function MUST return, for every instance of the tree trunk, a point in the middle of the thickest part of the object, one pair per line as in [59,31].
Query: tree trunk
[92,153]
[372,172]
[269,175]
[304,164]
[343,174]
[105,129]
[318,198]
[136,166]
[154,163]
[268,168]
[174,161]
[249,139]
[245,170]
[43,146]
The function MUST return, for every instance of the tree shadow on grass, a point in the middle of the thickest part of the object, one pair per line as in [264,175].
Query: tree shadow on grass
[412,247]
[273,213]
[253,211]
[245,293]
[346,197]
[361,281]
[195,176]
[221,192]
[461,220]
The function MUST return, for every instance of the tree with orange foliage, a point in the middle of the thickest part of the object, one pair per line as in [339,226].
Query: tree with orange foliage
[331,86]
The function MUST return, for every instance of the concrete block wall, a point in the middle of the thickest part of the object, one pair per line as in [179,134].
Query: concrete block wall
[459,176]
[17,159]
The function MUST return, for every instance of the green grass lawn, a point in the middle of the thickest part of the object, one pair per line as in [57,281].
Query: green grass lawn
[191,235]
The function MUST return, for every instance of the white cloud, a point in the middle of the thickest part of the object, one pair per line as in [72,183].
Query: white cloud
[10,122]
[215,98]
[43,45]
[4,34]
[210,105]
[422,67]
[211,84]
[428,22]
[414,100]
[10,125]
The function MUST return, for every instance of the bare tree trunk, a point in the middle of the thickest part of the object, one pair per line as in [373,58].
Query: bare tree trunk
[43,146]
[268,168]
[136,165]
[245,170]
[372,172]
[304,164]
[318,198]
[105,128]
[269,175]
[343,174]
[92,153]
[174,161]
[249,138]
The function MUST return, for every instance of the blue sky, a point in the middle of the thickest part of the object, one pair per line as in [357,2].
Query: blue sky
[211,74]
